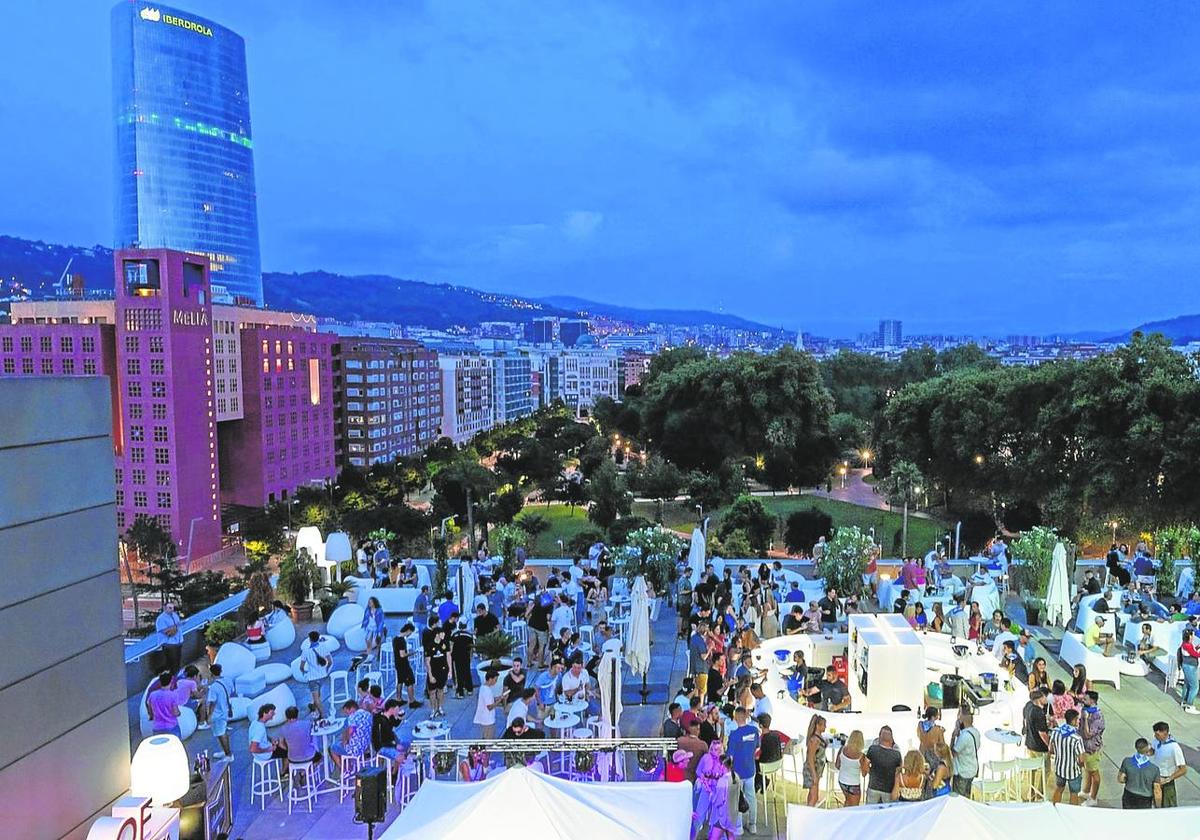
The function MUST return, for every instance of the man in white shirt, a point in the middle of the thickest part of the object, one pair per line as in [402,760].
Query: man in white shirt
[485,709]
[574,682]
[170,637]
[314,668]
[563,616]
[1168,755]
[521,707]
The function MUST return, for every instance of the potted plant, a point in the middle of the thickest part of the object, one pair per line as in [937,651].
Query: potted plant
[1033,610]
[494,647]
[328,604]
[259,597]
[218,632]
[298,575]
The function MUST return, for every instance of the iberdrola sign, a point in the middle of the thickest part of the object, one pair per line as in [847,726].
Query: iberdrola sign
[153,15]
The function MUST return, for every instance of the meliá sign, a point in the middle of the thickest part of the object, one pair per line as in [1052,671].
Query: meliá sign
[189,318]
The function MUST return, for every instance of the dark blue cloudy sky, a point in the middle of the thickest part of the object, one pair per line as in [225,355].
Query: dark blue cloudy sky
[984,167]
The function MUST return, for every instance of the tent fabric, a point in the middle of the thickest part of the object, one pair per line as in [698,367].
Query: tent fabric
[954,816]
[1058,594]
[521,803]
[696,554]
[637,652]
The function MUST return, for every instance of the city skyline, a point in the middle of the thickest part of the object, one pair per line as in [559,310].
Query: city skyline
[766,162]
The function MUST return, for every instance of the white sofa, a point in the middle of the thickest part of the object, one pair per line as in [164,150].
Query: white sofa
[1099,667]
[393,599]
[1087,613]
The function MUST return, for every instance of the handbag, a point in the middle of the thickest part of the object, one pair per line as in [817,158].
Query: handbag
[743,805]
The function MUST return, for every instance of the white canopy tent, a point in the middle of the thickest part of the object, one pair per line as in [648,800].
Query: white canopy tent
[696,554]
[1058,594]
[955,816]
[520,803]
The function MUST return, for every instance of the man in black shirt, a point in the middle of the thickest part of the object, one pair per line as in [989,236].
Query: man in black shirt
[1011,659]
[427,637]
[485,622]
[383,732]
[829,610]
[884,760]
[832,693]
[520,732]
[539,630]
[1037,732]
[793,621]
[901,602]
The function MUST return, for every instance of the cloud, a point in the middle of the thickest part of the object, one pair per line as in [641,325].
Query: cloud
[579,225]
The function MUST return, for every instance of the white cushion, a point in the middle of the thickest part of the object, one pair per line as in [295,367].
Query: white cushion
[261,651]
[282,634]
[235,659]
[281,696]
[327,645]
[275,672]
[250,683]
[343,618]
[356,639]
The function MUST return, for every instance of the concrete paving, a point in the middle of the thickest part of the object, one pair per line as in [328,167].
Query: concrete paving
[1129,712]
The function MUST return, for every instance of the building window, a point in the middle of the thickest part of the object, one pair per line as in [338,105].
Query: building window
[88,344]
[120,497]
[164,500]
[233,365]
[162,478]
[119,475]
[120,517]
[222,406]
[135,411]
[10,366]
[135,389]
[137,455]
[133,367]
[164,521]
[7,343]
[89,366]
[139,499]
[160,434]
[139,475]
[156,344]
[266,365]
[47,367]
[27,366]
[26,344]
[158,388]
[131,344]
[234,405]
[66,344]
[162,455]
[47,344]
[137,433]
[68,366]
[158,367]
[159,411]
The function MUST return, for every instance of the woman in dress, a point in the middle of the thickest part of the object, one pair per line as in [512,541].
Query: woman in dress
[919,620]
[1060,701]
[939,618]
[974,622]
[1038,678]
[814,758]
[374,625]
[849,766]
[911,779]
[714,776]
[1080,686]
[770,615]
[404,670]
[930,733]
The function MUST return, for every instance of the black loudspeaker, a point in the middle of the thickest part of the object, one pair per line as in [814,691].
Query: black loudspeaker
[370,795]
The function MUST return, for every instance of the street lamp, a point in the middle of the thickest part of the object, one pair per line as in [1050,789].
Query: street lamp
[866,457]
[1113,525]
[700,511]
[842,473]
[979,459]
[560,548]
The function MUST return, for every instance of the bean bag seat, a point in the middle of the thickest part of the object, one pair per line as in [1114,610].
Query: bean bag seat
[235,659]
[239,705]
[187,718]
[261,651]
[282,634]
[327,645]
[343,618]
[251,683]
[356,639]
[275,672]
[281,696]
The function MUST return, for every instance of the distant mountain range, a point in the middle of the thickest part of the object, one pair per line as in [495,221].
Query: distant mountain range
[33,268]
[1181,329]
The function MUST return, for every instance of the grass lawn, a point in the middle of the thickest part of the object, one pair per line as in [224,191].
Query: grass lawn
[922,533]
[565,523]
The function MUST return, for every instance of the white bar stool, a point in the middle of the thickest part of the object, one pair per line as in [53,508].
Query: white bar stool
[338,696]
[305,793]
[265,781]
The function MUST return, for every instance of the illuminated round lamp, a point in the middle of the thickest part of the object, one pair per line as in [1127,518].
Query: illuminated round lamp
[309,538]
[160,769]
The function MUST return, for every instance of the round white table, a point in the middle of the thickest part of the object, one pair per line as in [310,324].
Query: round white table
[1005,738]
[331,727]
[568,707]
[612,646]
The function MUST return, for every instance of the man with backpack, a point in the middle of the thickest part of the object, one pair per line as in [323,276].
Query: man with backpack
[314,668]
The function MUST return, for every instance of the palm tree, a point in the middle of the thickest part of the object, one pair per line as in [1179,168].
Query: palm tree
[902,487]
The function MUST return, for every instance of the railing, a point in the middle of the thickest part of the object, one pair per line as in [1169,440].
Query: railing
[135,649]
[618,748]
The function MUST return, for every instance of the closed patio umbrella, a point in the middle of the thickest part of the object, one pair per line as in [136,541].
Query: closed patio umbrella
[1058,594]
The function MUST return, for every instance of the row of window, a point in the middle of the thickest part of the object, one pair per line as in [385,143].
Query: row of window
[162,478]
[163,519]
[154,342]
[158,388]
[47,367]
[141,499]
[133,367]
[66,344]
[162,455]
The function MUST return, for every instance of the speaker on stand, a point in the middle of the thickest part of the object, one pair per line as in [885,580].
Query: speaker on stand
[370,798]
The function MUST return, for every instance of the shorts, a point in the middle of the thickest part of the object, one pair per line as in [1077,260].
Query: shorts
[1133,801]
[174,730]
[539,639]
[1074,785]
[220,725]
[850,790]
[314,685]
[874,797]
[1091,762]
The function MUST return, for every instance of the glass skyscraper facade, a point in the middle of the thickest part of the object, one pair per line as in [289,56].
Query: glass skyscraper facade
[184,152]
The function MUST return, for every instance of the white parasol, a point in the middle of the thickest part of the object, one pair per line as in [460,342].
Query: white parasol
[696,556]
[466,592]
[1058,594]
[608,675]
[637,651]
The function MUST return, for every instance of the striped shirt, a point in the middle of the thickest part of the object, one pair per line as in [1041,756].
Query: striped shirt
[1067,747]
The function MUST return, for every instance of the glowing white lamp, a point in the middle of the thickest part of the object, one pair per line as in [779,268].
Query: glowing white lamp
[160,769]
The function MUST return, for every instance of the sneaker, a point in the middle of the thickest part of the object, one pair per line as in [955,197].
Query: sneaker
[1087,803]
[1191,710]
[205,725]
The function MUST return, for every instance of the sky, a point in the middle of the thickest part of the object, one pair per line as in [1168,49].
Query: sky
[989,168]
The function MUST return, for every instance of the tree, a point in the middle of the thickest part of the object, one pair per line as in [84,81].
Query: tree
[454,482]
[620,530]
[658,478]
[805,527]
[750,515]
[903,486]
[608,496]
[845,560]
[155,548]
[533,524]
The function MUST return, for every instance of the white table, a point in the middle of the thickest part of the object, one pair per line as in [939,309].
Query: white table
[331,728]
[612,646]
[1005,738]
[987,596]
[569,707]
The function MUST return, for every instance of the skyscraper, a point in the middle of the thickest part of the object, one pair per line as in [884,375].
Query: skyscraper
[184,161]
[890,334]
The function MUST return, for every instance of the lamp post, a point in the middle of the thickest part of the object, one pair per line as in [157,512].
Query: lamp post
[1113,525]
[842,473]
[700,511]
[560,548]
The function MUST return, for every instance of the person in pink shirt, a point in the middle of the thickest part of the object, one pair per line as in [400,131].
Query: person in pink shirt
[163,707]
[908,573]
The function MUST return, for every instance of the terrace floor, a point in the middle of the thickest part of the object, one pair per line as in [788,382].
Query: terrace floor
[1129,714]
